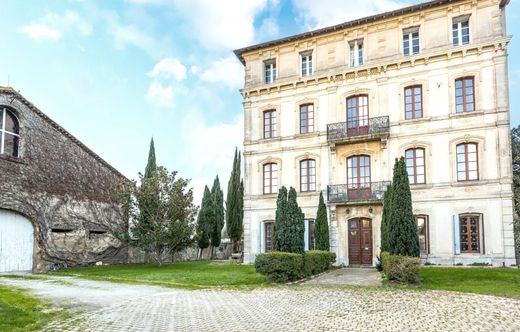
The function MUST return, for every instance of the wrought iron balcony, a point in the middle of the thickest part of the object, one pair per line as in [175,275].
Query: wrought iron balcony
[358,129]
[370,192]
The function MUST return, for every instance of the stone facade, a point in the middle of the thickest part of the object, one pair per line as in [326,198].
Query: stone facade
[382,76]
[63,188]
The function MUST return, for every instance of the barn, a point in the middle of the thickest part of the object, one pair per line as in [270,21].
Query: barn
[58,202]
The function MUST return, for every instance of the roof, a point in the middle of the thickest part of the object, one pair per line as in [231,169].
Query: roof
[350,24]
[19,97]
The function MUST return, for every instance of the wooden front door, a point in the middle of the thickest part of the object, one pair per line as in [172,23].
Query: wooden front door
[360,242]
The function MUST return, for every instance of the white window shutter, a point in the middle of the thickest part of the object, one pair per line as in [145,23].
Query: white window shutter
[306,234]
[456,234]
[262,244]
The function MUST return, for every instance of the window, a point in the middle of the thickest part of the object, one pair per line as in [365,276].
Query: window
[469,233]
[307,175]
[357,115]
[270,71]
[413,102]
[423,233]
[270,124]
[467,162]
[356,53]
[270,178]
[411,41]
[269,236]
[358,172]
[306,118]
[460,30]
[465,95]
[415,166]
[312,234]
[9,133]
[306,61]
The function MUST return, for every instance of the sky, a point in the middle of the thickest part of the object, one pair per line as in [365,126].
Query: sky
[116,73]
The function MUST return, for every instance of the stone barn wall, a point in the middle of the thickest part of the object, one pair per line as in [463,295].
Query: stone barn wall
[65,189]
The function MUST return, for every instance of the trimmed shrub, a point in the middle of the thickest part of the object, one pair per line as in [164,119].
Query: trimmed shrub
[280,266]
[317,261]
[404,269]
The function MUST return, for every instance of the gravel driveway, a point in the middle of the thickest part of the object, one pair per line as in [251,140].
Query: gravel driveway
[119,307]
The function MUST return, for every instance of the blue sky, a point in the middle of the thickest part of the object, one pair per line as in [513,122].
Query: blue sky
[116,73]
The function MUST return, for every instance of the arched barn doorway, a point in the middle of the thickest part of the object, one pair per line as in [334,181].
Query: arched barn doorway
[16,242]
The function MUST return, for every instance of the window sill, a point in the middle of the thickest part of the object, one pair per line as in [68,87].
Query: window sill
[308,193]
[307,135]
[420,186]
[11,159]
[414,121]
[466,114]
[269,140]
[468,183]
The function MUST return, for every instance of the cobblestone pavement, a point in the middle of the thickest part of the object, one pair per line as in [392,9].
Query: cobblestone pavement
[300,308]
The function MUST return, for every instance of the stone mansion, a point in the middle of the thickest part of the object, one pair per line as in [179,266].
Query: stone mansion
[329,111]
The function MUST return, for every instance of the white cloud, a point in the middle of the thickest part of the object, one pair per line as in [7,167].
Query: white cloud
[211,149]
[228,71]
[40,32]
[317,14]
[169,68]
[53,26]
[166,73]
[159,95]
[221,25]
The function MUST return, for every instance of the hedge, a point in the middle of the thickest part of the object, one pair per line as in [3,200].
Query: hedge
[317,261]
[398,268]
[283,266]
[280,266]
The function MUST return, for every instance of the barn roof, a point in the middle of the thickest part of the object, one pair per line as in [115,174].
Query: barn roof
[52,123]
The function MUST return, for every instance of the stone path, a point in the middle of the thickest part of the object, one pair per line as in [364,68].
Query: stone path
[295,308]
[348,276]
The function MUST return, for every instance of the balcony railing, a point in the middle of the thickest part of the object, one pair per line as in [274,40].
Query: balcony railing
[373,127]
[343,193]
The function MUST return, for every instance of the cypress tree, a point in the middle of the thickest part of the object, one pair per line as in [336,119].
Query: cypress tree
[402,231]
[204,220]
[279,221]
[217,199]
[235,204]
[387,208]
[289,224]
[151,166]
[321,227]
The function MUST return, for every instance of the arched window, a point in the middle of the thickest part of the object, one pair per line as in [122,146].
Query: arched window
[270,178]
[306,118]
[415,166]
[357,115]
[358,172]
[9,133]
[467,162]
[413,102]
[307,175]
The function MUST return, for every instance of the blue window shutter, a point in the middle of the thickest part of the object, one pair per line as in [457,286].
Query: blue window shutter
[456,234]
[306,235]
[262,245]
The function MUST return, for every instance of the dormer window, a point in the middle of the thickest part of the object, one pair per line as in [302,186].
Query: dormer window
[270,71]
[356,53]
[411,41]
[9,133]
[460,30]
[306,63]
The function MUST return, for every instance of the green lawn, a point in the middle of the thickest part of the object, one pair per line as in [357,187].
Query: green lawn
[21,312]
[190,275]
[491,281]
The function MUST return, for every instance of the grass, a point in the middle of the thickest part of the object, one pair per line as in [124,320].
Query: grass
[188,275]
[490,281]
[21,312]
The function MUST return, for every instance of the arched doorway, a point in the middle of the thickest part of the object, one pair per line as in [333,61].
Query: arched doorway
[16,242]
[360,241]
